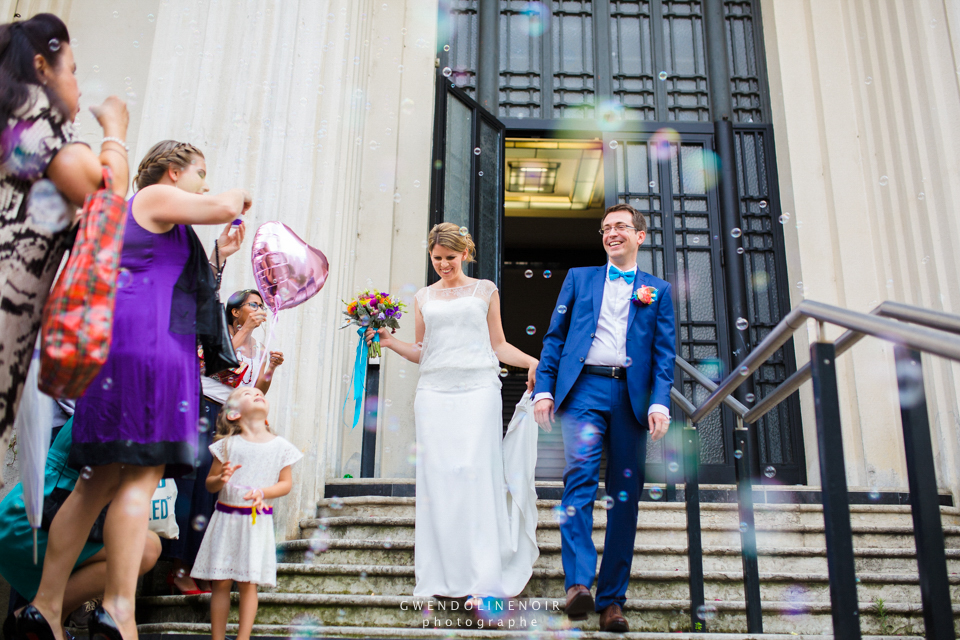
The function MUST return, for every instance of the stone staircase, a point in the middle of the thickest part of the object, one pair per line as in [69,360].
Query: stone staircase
[351,572]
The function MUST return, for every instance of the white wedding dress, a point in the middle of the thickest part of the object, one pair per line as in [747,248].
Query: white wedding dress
[476,524]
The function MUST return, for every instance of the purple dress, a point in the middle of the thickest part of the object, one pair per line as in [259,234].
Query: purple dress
[142,408]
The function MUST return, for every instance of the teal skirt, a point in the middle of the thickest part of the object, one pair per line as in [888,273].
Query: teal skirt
[16,534]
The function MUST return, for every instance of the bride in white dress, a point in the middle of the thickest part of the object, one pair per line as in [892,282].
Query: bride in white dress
[475,526]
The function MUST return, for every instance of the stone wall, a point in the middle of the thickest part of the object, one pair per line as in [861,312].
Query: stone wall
[866,114]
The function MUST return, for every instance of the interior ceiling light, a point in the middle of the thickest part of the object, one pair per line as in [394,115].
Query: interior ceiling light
[532,177]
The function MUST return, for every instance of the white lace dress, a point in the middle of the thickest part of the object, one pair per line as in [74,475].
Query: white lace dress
[233,547]
[475,530]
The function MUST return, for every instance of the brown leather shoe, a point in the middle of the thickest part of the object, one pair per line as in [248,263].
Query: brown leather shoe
[579,602]
[612,620]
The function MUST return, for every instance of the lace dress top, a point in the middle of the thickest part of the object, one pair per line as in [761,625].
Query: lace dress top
[456,353]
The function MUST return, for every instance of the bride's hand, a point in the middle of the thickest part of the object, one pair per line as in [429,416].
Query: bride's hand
[386,338]
[532,376]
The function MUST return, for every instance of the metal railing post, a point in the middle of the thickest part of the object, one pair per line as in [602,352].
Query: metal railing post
[836,505]
[748,531]
[924,499]
[371,404]
[691,471]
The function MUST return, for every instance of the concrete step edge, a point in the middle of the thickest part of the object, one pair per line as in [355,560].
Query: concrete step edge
[328,503]
[388,521]
[203,630]
[545,604]
[635,574]
[362,544]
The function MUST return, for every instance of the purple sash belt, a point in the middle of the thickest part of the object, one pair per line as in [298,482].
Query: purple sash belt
[229,508]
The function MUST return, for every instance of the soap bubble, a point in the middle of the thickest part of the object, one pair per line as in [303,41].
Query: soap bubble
[203,425]
[656,493]
[504,373]
[571,511]
[184,406]
[614,144]
[151,17]
[199,523]
[388,544]
[528,273]
[740,251]
[874,495]
[627,361]
[653,184]
[770,471]
[107,384]
[547,274]
[480,174]
[742,324]
[884,181]
[179,50]
[744,371]
[562,309]
[86,473]
[531,330]
[744,527]
[628,473]
[446,47]
[116,14]
[750,397]
[396,197]
[447,72]
[763,204]
[868,80]
[123,278]
[662,75]
[559,514]
[606,502]
[673,467]
[416,183]
[464,231]
[706,612]
[54,44]
[336,502]
[738,454]
[476,151]
[622,496]
[736,232]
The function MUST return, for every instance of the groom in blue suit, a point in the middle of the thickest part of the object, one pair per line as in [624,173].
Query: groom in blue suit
[606,368]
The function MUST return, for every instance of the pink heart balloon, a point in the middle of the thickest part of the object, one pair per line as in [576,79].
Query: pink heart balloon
[288,271]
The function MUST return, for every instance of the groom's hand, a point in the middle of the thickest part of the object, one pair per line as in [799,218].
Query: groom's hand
[659,424]
[543,414]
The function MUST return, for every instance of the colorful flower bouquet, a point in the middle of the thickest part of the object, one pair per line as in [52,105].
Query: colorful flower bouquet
[375,310]
[645,295]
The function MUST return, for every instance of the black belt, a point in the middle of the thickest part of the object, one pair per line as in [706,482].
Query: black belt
[609,372]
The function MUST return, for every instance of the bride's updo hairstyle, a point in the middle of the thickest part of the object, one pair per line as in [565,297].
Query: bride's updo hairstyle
[449,235]
[162,156]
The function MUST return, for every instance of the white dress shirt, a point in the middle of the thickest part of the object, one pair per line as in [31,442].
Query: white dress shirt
[609,347]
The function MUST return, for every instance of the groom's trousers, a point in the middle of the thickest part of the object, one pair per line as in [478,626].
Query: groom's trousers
[595,415]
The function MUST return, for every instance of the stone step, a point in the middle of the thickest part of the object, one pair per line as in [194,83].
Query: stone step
[194,631]
[396,613]
[391,529]
[651,557]
[654,512]
[644,584]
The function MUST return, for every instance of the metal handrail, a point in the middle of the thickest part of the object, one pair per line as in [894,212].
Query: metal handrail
[934,341]
[896,310]
[937,335]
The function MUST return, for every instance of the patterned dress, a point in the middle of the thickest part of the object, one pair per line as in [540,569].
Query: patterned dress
[34,233]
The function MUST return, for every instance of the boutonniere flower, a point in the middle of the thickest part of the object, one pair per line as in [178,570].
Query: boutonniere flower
[645,295]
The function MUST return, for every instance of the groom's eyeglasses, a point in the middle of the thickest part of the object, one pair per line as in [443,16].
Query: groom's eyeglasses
[620,228]
[254,305]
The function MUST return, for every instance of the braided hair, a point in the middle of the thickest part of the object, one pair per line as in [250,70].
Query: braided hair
[162,156]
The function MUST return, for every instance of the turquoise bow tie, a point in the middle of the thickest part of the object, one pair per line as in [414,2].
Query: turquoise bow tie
[615,273]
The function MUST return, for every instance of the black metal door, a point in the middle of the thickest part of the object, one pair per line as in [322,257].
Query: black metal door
[669,178]
[467,179]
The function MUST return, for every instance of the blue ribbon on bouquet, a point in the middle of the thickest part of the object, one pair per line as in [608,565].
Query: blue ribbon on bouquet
[360,374]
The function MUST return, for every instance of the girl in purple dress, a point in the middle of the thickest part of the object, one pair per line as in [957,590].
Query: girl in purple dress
[138,418]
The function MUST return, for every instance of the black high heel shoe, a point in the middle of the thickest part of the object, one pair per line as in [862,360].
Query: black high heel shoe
[31,625]
[102,626]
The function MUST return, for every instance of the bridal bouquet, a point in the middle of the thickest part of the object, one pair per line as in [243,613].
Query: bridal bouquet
[374,309]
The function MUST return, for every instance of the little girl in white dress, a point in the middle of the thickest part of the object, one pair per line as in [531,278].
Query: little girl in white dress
[251,467]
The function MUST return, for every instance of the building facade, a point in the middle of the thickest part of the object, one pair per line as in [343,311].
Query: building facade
[357,124]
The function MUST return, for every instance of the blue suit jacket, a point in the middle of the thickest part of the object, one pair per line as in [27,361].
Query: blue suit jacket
[651,335]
